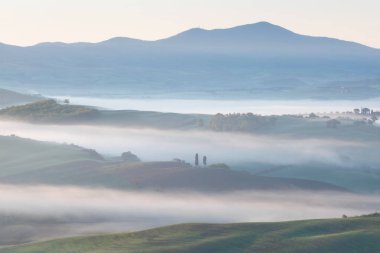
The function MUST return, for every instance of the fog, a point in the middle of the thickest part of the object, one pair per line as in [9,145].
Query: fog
[263,107]
[46,211]
[158,145]
[109,205]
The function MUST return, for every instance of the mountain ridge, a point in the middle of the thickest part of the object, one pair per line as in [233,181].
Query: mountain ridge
[254,60]
[263,25]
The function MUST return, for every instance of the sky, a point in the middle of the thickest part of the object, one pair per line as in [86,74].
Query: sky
[27,22]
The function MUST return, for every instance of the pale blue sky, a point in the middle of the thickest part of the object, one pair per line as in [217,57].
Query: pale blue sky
[26,22]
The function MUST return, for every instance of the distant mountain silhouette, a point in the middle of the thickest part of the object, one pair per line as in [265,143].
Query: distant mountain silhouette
[265,37]
[250,60]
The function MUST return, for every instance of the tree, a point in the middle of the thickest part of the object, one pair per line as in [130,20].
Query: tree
[196,159]
[204,160]
[366,111]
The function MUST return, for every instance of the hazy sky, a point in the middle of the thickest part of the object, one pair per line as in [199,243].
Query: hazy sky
[26,22]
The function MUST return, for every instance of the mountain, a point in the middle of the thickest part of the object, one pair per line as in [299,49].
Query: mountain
[259,60]
[265,39]
[359,235]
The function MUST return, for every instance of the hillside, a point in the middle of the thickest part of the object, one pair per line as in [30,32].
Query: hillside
[158,176]
[48,111]
[364,179]
[20,155]
[352,235]
[9,98]
[24,161]
[259,60]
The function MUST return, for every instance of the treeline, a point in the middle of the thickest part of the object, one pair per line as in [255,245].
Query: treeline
[240,122]
[49,111]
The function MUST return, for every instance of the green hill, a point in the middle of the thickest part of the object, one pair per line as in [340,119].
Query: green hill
[363,180]
[352,235]
[25,161]
[159,176]
[20,155]
[49,111]
[9,98]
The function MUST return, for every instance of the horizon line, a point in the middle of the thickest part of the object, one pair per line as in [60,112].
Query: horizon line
[178,33]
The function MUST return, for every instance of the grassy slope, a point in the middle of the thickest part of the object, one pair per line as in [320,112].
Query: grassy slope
[358,180]
[159,176]
[9,98]
[316,128]
[23,155]
[334,235]
[49,111]
[130,118]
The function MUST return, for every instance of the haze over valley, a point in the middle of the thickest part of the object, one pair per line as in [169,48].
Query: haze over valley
[252,138]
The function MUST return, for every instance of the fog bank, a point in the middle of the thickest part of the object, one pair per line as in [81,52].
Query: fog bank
[264,107]
[159,145]
[73,204]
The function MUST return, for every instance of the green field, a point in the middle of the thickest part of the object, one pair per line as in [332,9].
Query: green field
[352,235]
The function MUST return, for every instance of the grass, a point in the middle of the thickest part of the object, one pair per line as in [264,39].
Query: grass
[355,179]
[352,235]
[48,111]
[20,155]
[9,98]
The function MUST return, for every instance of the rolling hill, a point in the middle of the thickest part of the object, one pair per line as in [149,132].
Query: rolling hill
[20,155]
[356,167]
[159,176]
[352,235]
[50,112]
[259,60]
[10,98]
[24,161]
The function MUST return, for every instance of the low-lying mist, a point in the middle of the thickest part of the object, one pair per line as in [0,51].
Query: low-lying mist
[86,210]
[264,107]
[244,206]
[159,145]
